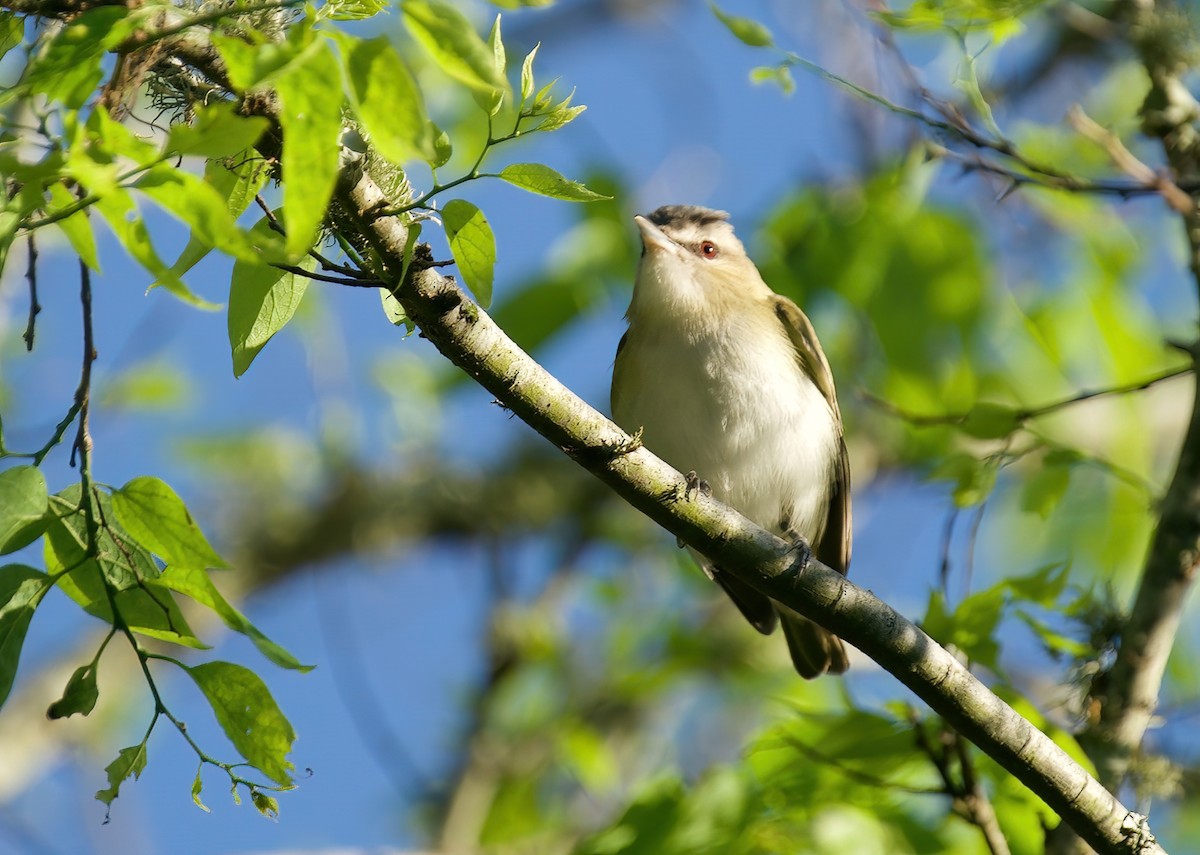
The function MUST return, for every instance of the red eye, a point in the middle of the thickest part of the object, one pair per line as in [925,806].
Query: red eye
[708,250]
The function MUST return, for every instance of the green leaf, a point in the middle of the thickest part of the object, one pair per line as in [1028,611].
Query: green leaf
[77,227]
[747,30]
[201,207]
[473,246]
[120,570]
[262,300]
[237,185]
[646,826]
[12,31]
[561,114]
[21,589]
[79,696]
[122,217]
[392,308]
[216,131]
[354,10]
[1042,492]
[527,79]
[23,504]
[267,805]
[130,761]
[780,75]
[312,125]
[154,385]
[1043,586]
[493,101]
[971,627]
[197,787]
[194,582]
[388,101]
[496,43]
[537,178]
[158,519]
[249,716]
[442,149]
[451,41]
[250,63]
[68,68]
[974,479]
[1054,641]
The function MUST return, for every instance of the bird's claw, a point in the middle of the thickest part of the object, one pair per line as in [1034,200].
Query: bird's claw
[696,485]
[800,545]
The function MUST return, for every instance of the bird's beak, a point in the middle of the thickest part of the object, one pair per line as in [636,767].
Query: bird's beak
[653,238]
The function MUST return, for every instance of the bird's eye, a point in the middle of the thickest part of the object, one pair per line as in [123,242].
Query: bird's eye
[708,250]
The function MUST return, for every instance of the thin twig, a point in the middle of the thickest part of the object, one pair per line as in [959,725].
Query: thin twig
[35,307]
[972,537]
[944,564]
[953,124]
[83,395]
[976,801]
[337,280]
[1024,414]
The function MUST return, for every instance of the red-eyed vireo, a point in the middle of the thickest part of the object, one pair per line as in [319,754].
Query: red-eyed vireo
[726,379]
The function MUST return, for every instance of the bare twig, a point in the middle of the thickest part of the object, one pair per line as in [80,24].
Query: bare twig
[1125,160]
[35,307]
[83,396]
[337,280]
[1021,415]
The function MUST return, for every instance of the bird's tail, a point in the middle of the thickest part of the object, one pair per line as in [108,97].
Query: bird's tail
[815,651]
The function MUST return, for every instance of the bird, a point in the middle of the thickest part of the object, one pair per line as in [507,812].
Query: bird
[725,380]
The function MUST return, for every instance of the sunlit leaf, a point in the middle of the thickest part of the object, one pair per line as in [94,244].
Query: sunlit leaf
[450,39]
[68,68]
[537,178]
[249,716]
[747,30]
[21,589]
[237,185]
[115,568]
[191,581]
[312,124]
[79,696]
[473,246]
[130,761]
[262,299]
[155,515]
[387,100]
[23,503]
[217,130]
[77,227]
[197,787]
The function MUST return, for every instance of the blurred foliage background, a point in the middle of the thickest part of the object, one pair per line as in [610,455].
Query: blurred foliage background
[512,661]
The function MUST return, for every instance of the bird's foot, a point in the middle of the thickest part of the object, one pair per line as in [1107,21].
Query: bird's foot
[801,546]
[696,486]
